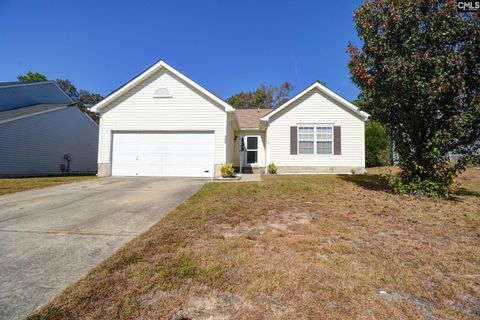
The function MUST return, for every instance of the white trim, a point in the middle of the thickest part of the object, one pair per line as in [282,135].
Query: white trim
[99,141]
[225,139]
[33,114]
[327,92]
[251,129]
[157,66]
[267,150]
[248,135]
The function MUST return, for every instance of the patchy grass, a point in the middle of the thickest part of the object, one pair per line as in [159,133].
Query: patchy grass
[294,247]
[10,185]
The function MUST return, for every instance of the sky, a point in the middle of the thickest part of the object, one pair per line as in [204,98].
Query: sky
[226,46]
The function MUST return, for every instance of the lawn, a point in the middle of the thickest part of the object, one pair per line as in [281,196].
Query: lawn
[10,185]
[294,247]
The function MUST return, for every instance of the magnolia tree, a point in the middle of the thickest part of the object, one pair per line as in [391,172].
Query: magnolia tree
[419,69]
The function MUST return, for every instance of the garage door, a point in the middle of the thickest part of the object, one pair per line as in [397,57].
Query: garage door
[174,154]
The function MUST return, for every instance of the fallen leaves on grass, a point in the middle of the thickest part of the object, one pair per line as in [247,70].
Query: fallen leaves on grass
[294,247]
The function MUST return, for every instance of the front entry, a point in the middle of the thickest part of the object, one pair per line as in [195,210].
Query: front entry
[249,152]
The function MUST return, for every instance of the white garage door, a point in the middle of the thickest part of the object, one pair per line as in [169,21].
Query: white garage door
[174,154]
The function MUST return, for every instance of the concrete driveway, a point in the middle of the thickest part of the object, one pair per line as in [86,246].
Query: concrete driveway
[50,237]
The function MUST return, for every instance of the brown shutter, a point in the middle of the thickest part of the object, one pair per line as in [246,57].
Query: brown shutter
[337,140]
[293,140]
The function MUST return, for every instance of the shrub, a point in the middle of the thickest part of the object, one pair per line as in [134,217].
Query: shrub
[440,185]
[376,144]
[272,168]
[227,170]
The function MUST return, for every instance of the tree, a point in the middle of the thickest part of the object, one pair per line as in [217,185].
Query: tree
[366,105]
[418,69]
[376,144]
[84,99]
[68,87]
[32,76]
[265,97]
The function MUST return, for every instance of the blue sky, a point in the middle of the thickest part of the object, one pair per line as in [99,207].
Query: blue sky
[226,46]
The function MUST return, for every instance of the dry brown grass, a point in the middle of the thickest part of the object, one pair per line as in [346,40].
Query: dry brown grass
[294,247]
[11,185]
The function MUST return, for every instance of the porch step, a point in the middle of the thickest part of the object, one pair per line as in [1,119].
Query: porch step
[258,170]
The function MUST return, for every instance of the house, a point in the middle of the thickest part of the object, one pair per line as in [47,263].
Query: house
[161,123]
[43,133]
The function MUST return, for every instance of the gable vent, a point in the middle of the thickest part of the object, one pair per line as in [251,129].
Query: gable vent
[162,93]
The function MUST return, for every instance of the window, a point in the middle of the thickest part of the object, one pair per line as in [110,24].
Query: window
[324,139]
[306,140]
[162,93]
[315,139]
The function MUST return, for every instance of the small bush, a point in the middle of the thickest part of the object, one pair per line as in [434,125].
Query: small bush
[227,170]
[407,184]
[384,157]
[272,168]
[376,144]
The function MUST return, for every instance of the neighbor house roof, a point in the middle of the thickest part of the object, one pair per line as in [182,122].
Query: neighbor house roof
[250,118]
[144,75]
[329,93]
[15,95]
[19,113]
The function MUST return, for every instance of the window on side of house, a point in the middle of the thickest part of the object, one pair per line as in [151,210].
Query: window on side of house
[315,139]
[324,139]
[306,140]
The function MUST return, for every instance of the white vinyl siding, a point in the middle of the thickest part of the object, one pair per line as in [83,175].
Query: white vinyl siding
[316,109]
[186,110]
[36,145]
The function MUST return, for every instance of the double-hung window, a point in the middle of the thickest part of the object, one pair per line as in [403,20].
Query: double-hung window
[315,139]
[306,139]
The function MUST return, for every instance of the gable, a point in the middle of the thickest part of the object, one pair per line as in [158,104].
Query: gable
[146,93]
[316,104]
[326,93]
[156,72]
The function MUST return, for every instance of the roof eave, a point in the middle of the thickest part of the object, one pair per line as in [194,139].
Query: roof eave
[326,91]
[157,66]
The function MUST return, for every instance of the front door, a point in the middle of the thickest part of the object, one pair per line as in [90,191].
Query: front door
[249,150]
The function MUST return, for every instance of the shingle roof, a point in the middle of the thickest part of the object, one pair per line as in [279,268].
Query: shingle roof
[25,111]
[250,118]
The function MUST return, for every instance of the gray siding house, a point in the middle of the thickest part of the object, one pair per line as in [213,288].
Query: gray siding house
[43,133]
